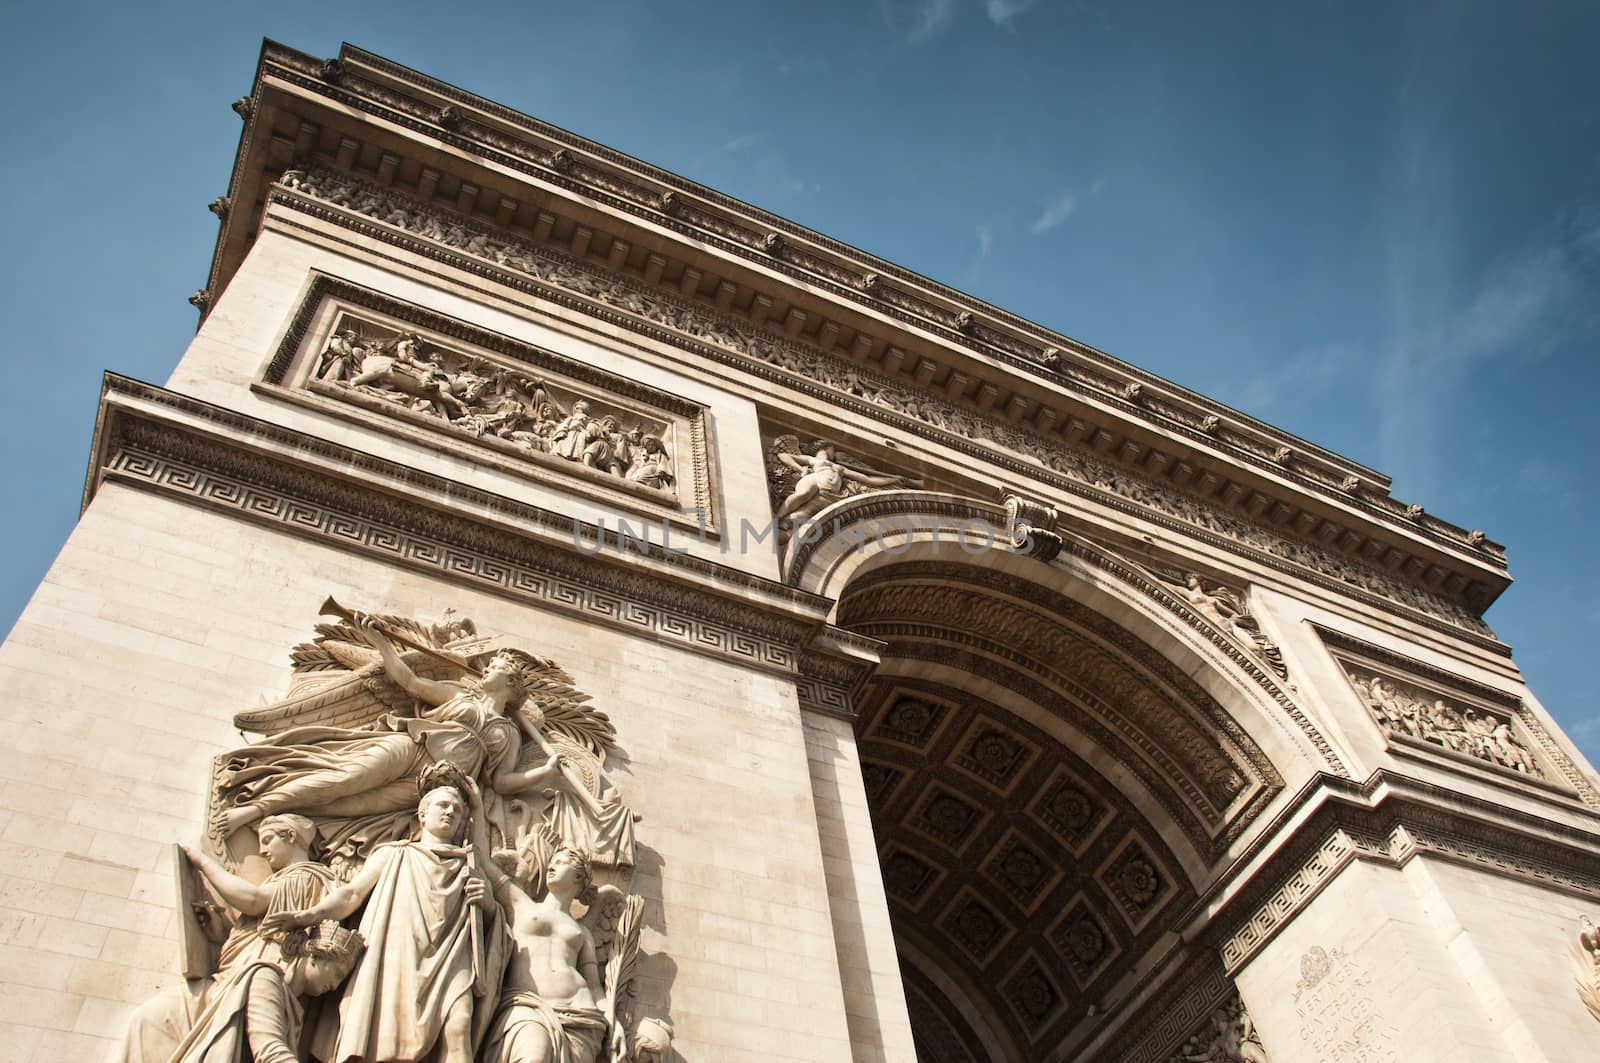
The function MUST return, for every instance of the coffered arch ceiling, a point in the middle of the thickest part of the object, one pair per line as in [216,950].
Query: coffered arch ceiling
[1049,794]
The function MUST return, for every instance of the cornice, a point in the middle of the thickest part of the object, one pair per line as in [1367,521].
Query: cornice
[557,159]
[1388,820]
[558,278]
[191,451]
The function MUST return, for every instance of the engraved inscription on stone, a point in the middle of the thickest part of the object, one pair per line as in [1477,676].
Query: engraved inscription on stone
[1339,1019]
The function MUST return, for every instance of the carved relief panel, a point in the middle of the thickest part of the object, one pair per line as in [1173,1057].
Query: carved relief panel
[425,831]
[1446,720]
[513,406]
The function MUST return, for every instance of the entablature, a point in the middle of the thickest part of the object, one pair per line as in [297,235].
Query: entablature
[965,363]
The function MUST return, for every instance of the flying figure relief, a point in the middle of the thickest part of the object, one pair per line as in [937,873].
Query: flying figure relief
[1225,610]
[810,482]
[439,835]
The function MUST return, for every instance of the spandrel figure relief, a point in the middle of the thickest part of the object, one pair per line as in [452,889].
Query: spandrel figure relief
[515,411]
[434,810]
[806,480]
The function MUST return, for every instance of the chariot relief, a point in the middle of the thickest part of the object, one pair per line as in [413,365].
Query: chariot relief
[447,867]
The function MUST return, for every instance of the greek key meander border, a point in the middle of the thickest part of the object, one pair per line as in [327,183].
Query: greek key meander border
[1404,838]
[408,478]
[1414,671]
[646,205]
[141,465]
[1175,1011]
[529,283]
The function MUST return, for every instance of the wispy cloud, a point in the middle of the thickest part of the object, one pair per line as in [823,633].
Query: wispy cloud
[984,234]
[917,20]
[1001,12]
[1521,307]
[1265,386]
[1063,206]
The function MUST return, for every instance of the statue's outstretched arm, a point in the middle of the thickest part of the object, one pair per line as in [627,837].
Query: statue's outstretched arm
[428,690]
[247,896]
[336,905]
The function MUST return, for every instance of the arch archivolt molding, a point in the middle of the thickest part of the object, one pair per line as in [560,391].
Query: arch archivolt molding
[858,535]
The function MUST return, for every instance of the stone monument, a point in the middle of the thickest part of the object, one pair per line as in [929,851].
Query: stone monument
[555,611]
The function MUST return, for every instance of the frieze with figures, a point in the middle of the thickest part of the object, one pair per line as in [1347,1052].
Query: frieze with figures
[508,404]
[1076,466]
[420,856]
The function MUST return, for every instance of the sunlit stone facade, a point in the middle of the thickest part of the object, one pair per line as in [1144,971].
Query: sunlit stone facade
[980,696]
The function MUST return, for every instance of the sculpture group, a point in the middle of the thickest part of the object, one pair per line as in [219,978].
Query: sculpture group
[1477,733]
[487,401]
[447,868]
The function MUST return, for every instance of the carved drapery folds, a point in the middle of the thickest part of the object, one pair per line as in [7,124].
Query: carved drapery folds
[514,409]
[804,480]
[1401,709]
[1225,609]
[446,799]
[1426,713]
[1585,952]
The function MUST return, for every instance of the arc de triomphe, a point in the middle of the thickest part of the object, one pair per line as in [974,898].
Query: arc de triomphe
[916,683]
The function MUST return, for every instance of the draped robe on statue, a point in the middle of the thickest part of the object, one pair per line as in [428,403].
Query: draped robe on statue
[361,783]
[161,1022]
[255,1020]
[427,946]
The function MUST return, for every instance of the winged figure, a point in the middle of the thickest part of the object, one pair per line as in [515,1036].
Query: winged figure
[812,481]
[1585,951]
[569,988]
[1226,610]
[365,717]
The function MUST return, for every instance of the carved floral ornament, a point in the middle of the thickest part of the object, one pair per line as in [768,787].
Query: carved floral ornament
[596,172]
[992,439]
[447,863]
[1229,1036]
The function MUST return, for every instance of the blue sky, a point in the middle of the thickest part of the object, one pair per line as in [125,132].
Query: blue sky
[1376,225]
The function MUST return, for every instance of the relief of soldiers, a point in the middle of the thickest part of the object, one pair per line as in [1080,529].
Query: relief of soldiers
[443,932]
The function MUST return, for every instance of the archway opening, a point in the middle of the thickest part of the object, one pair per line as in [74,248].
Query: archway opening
[1047,792]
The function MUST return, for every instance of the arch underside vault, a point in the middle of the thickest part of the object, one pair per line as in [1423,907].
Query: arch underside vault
[1047,792]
